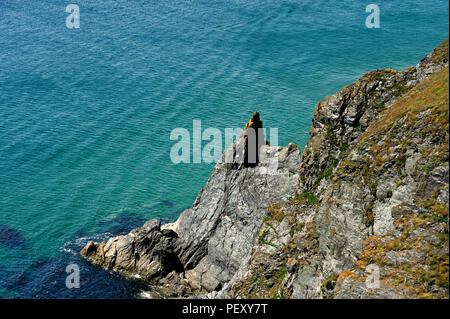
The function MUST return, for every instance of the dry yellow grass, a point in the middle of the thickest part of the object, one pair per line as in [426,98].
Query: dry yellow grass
[431,93]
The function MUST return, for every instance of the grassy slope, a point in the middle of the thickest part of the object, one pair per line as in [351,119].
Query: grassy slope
[423,112]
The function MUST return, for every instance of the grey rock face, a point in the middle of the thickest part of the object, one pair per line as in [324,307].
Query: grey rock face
[206,245]
[147,251]
[433,62]
[227,219]
[359,182]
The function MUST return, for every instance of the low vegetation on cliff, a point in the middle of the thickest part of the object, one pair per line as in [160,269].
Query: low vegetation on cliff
[373,191]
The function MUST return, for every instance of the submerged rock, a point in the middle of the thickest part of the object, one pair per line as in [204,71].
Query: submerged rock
[11,238]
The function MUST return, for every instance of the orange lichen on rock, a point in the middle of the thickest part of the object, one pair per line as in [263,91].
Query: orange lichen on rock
[345,274]
[254,122]
[361,264]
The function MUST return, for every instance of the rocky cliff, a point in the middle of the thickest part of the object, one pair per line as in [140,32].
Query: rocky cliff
[368,194]
[203,249]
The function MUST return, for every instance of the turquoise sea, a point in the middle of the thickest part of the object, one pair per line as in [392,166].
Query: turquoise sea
[86,114]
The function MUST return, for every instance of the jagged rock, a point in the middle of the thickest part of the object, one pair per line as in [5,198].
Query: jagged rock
[209,240]
[147,251]
[367,160]
[246,152]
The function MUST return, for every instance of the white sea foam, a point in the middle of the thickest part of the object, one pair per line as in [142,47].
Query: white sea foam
[73,247]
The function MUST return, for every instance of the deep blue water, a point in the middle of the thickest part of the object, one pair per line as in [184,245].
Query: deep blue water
[86,114]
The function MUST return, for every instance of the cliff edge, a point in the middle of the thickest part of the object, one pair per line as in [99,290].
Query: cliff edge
[368,194]
[372,198]
[203,249]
